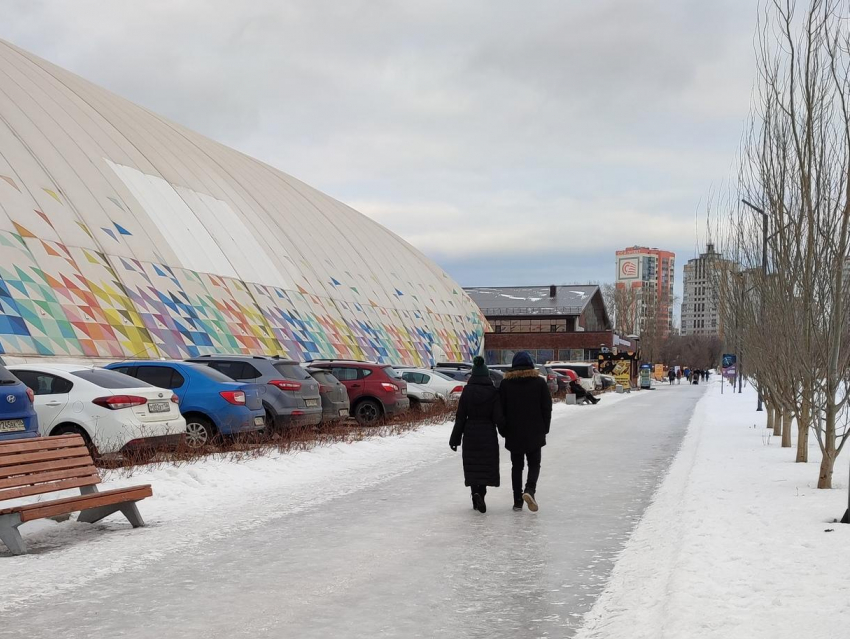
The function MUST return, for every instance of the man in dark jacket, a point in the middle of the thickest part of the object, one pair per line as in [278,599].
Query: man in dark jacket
[527,414]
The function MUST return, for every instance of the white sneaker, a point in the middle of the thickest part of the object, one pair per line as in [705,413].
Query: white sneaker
[532,503]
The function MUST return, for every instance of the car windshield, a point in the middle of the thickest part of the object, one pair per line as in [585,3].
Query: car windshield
[7,378]
[292,371]
[109,379]
[210,373]
[391,372]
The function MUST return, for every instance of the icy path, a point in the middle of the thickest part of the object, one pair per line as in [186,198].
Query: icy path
[375,540]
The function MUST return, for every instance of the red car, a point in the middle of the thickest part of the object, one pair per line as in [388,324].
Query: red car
[374,390]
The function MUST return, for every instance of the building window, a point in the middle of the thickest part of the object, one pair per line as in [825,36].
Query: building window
[534,325]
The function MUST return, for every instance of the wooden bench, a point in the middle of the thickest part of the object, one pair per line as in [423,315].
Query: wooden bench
[49,464]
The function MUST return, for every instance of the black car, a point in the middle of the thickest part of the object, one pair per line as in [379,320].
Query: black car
[335,404]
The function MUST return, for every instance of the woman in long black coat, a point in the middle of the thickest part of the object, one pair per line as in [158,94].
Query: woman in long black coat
[479,416]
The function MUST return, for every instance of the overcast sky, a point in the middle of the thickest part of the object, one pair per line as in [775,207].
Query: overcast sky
[512,142]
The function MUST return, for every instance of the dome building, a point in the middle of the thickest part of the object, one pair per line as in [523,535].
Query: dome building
[124,235]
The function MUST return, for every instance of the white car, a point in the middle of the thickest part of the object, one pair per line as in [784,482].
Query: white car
[442,386]
[421,399]
[114,412]
[588,375]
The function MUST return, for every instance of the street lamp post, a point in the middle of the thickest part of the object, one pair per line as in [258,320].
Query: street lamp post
[738,348]
[759,407]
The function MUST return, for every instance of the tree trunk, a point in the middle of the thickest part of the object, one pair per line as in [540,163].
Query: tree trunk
[771,415]
[828,460]
[787,420]
[777,422]
[803,432]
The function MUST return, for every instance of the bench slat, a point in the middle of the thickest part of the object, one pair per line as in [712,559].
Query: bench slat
[31,479]
[75,504]
[49,487]
[40,443]
[36,467]
[44,455]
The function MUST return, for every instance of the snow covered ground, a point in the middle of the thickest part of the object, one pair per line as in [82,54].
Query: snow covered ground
[738,542]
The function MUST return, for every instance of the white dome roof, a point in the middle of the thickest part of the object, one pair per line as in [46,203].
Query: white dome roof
[125,235]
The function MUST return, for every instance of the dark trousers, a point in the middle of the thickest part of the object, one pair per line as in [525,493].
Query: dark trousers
[481,490]
[586,397]
[517,465]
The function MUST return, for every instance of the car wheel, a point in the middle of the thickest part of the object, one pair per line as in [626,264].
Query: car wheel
[69,429]
[269,421]
[367,412]
[199,432]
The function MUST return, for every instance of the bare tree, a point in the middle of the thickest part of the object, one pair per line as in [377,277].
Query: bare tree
[790,316]
[693,351]
[623,307]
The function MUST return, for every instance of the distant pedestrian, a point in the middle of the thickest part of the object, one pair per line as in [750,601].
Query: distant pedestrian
[678,375]
[671,375]
[478,417]
[527,411]
[695,375]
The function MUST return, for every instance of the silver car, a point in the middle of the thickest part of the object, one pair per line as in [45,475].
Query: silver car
[290,396]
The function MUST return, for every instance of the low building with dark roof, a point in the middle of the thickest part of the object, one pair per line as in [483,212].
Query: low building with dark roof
[565,323]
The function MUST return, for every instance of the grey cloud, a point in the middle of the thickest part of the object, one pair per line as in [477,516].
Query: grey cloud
[574,124]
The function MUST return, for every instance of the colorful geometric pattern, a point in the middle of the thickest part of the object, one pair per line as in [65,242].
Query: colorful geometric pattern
[122,236]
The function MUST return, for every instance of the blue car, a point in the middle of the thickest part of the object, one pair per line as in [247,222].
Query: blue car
[17,415]
[212,403]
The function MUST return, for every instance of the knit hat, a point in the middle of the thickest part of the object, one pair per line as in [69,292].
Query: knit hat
[479,368]
[522,360]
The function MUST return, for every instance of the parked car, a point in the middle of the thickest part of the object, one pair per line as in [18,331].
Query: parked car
[335,404]
[563,381]
[421,399]
[374,390]
[608,381]
[462,371]
[443,386]
[545,372]
[18,419]
[114,413]
[290,396]
[212,403]
[588,375]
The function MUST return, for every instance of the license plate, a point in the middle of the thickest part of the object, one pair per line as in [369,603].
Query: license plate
[11,425]
[259,421]
[159,407]
[312,403]
[343,412]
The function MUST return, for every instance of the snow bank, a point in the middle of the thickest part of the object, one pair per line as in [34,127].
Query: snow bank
[735,543]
